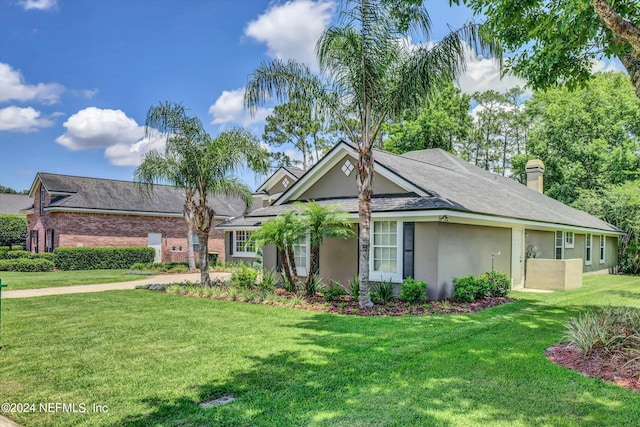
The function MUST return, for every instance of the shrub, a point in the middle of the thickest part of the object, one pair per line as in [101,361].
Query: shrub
[26,265]
[608,329]
[313,286]
[466,288]
[412,290]
[13,229]
[333,292]
[90,258]
[20,254]
[354,288]
[244,277]
[384,290]
[161,267]
[499,284]
[268,281]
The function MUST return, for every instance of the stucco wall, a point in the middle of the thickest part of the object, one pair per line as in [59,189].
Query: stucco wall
[339,259]
[554,274]
[542,240]
[467,249]
[425,261]
[336,184]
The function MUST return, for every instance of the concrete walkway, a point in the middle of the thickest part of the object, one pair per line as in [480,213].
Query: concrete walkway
[80,289]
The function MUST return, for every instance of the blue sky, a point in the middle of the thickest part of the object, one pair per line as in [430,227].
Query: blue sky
[78,76]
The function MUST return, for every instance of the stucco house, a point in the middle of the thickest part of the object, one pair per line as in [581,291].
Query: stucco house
[70,211]
[434,217]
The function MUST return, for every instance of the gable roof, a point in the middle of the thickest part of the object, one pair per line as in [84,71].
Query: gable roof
[438,180]
[77,193]
[282,171]
[14,203]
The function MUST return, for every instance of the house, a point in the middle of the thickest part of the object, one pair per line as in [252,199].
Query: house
[70,211]
[283,178]
[435,217]
[13,204]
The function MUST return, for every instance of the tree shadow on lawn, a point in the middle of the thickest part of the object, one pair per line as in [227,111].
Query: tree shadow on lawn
[483,369]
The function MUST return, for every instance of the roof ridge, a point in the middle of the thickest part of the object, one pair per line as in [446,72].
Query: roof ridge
[414,160]
[104,179]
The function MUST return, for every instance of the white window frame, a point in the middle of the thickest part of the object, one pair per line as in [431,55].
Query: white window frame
[302,271]
[588,249]
[386,275]
[569,239]
[603,249]
[557,246]
[243,252]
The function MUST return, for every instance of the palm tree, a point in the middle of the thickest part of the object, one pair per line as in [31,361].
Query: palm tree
[320,222]
[205,165]
[371,73]
[282,232]
[169,167]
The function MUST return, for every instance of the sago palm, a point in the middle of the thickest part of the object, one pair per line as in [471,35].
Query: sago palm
[370,72]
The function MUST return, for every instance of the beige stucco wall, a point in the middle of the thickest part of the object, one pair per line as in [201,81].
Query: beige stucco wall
[467,249]
[542,240]
[554,274]
[336,184]
[339,259]
[425,252]
[279,187]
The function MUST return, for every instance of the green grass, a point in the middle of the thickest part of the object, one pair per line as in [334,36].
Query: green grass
[152,357]
[18,281]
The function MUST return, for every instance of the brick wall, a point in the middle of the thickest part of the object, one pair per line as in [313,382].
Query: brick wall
[116,230]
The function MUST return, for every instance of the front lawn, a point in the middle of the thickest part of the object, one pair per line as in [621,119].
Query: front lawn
[17,281]
[152,357]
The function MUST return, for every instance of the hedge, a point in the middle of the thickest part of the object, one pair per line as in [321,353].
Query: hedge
[89,258]
[13,229]
[26,265]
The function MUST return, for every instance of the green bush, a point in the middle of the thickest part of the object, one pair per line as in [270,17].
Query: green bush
[13,229]
[3,251]
[353,287]
[90,258]
[333,292]
[384,290]
[20,254]
[467,288]
[268,281]
[26,265]
[244,277]
[161,267]
[413,290]
[498,284]
[313,286]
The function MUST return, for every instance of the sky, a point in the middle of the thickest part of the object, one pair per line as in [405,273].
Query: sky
[77,77]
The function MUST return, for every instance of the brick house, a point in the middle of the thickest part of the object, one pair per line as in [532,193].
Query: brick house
[70,211]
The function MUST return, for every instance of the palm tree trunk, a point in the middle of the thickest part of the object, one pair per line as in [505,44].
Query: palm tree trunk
[282,253]
[187,212]
[365,192]
[205,279]
[313,264]
[292,266]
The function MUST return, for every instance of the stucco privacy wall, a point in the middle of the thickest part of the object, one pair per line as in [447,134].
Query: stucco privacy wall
[466,249]
[335,183]
[554,274]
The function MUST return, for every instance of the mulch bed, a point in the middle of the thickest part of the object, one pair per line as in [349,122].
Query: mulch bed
[605,365]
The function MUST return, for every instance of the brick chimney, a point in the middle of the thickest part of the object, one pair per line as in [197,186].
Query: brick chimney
[535,172]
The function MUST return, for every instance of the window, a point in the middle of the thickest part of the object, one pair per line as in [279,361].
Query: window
[196,242]
[559,245]
[41,199]
[347,167]
[568,239]
[602,249]
[240,246]
[48,240]
[301,256]
[384,258]
[587,249]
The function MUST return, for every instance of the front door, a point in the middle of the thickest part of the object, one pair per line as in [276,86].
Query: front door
[155,242]
[517,258]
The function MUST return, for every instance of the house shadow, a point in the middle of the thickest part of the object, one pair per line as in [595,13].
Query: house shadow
[423,370]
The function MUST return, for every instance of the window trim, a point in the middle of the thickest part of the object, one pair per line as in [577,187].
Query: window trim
[556,246]
[588,244]
[243,252]
[383,275]
[303,271]
[568,244]
[603,249]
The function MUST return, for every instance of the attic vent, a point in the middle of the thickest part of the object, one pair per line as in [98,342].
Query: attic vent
[347,168]
[285,182]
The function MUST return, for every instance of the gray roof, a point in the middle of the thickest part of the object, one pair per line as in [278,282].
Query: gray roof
[297,172]
[453,184]
[14,203]
[124,196]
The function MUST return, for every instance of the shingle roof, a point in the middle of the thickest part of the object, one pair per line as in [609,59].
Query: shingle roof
[454,184]
[125,196]
[14,203]
[297,172]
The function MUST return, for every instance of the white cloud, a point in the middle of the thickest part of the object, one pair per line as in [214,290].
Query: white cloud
[229,108]
[132,154]
[607,65]
[96,128]
[291,30]
[16,119]
[38,4]
[483,74]
[13,87]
